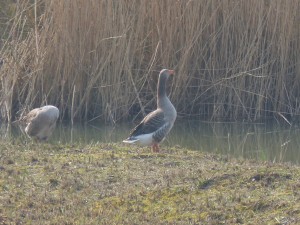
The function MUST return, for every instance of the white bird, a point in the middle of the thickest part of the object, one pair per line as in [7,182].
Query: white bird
[156,125]
[41,122]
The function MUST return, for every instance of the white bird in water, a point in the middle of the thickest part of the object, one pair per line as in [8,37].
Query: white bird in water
[157,124]
[41,122]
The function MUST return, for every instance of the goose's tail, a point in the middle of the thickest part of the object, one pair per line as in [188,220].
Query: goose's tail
[130,141]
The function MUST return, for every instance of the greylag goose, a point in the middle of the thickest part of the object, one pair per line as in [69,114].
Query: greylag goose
[41,122]
[156,125]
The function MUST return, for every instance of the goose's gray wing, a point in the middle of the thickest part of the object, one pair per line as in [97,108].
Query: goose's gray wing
[151,123]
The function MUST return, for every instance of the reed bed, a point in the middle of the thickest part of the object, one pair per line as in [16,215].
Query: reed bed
[99,60]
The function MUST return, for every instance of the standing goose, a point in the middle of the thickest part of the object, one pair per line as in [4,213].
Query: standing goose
[41,122]
[157,124]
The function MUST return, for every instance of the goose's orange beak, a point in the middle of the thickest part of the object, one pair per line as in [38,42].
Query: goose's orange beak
[171,72]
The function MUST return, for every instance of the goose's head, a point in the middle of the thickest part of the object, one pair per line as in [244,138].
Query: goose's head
[165,74]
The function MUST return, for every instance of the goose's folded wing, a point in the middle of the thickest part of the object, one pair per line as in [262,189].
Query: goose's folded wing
[152,122]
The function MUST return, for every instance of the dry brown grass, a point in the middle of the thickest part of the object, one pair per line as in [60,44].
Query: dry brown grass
[99,59]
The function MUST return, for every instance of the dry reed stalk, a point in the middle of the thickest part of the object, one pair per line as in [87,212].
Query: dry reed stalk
[234,60]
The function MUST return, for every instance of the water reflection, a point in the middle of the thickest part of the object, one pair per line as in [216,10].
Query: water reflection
[256,141]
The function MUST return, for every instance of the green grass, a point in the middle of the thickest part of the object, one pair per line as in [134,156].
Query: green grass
[115,184]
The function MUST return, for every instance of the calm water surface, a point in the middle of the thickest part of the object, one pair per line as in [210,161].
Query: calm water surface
[255,141]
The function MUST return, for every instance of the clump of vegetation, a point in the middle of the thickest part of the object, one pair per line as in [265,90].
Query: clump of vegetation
[114,184]
[100,60]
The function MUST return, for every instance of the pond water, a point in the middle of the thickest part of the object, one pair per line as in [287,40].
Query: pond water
[270,142]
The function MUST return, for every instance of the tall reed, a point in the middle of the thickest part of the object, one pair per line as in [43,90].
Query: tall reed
[235,60]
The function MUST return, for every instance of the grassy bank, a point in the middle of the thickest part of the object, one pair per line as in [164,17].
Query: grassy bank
[234,60]
[115,184]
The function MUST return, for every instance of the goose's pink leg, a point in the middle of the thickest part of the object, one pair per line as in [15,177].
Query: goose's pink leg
[155,148]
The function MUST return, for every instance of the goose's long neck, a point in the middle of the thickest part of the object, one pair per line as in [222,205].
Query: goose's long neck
[162,98]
